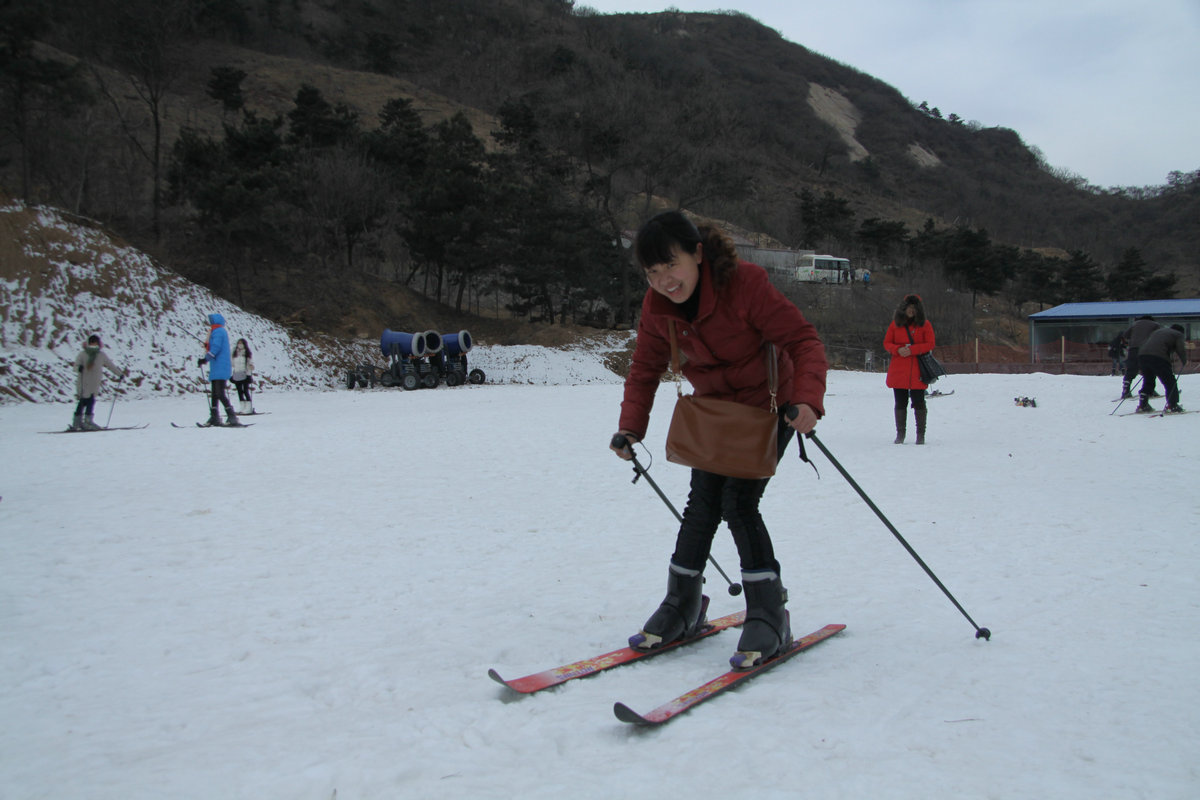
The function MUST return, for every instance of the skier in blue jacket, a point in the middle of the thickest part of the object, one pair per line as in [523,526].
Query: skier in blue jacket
[216,352]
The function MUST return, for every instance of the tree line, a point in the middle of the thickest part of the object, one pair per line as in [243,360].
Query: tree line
[535,213]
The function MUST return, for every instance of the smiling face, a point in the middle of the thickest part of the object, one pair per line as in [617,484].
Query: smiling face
[677,278]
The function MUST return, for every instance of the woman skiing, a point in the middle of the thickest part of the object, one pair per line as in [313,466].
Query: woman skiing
[724,311]
[216,350]
[909,335]
[90,364]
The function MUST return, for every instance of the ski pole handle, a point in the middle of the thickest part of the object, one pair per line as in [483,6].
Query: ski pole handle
[620,441]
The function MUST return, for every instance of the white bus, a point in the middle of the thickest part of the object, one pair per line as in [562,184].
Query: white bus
[823,269]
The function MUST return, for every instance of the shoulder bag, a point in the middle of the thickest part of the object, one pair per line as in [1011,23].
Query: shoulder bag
[722,436]
[931,369]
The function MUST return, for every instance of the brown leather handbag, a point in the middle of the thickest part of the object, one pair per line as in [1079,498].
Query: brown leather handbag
[721,436]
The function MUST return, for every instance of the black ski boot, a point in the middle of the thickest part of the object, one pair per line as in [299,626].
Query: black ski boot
[901,423]
[768,628]
[681,613]
[214,418]
[1143,407]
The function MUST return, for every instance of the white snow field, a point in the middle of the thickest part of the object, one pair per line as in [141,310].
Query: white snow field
[306,609]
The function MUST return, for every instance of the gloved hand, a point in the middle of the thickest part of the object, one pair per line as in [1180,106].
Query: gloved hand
[200,362]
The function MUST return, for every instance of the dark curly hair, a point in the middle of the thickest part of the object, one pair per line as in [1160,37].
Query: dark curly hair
[901,311]
[670,228]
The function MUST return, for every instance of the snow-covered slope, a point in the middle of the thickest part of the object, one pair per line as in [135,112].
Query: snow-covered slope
[62,279]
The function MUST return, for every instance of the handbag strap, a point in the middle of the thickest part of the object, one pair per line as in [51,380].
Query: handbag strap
[772,367]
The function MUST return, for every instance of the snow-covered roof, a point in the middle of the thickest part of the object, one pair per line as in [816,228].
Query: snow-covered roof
[1122,309]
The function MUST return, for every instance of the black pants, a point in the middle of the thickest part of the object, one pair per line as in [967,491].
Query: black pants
[86,405]
[243,389]
[715,497]
[1132,367]
[219,396]
[903,396]
[1154,367]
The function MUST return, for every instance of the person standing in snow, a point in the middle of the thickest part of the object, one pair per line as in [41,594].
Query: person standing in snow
[1136,335]
[243,374]
[908,335]
[216,352]
[89,374]
[724,311]
[1116,352]
[1154,361]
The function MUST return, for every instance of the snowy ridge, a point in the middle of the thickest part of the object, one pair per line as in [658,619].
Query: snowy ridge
[61,280]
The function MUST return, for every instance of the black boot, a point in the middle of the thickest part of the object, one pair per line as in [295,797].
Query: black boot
[231,419]
[214,417]
[901,422]
[1143,407]
[768,628]
[921,414]
[680,614]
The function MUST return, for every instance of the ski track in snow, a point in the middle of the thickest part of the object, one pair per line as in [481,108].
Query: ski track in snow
[308,608]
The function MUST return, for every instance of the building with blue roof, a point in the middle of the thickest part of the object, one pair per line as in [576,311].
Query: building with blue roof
[1074,328]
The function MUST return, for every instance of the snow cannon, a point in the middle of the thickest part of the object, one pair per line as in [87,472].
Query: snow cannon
[452,361]
[394,343]
[456,344]
[433,342]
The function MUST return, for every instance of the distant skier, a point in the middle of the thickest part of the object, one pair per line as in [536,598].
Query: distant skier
[1154,360]
[1116,352]
[217,352]
[1135,335]
[243,375]
[89,371]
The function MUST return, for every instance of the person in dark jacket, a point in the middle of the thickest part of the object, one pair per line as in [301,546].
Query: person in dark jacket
[1154,360]
[216,353]
[908,335]
[1116,352]
[1135,335]
[724,311]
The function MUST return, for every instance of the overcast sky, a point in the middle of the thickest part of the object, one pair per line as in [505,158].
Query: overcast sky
[1107,89]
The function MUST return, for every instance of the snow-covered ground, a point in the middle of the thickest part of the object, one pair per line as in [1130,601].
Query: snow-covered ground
[308,608]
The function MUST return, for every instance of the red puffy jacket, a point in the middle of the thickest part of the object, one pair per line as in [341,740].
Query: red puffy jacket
[723,347]
[903,372]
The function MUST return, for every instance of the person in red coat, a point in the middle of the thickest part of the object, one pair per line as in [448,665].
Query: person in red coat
[724,311]
[909,335]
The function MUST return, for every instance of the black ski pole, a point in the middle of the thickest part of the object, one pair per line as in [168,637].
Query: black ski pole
[1123,398]
[980,633]
[619,442]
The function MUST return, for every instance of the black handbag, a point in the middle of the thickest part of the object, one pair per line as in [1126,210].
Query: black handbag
[931,369]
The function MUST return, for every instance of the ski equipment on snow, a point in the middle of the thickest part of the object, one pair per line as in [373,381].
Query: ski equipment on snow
[591,666]
[721,683]
[207,425]
[980,633]
[101,430]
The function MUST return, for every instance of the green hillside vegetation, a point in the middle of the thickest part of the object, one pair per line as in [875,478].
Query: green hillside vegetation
[348,167]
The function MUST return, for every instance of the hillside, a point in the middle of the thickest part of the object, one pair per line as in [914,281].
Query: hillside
[63,278]
[714,112]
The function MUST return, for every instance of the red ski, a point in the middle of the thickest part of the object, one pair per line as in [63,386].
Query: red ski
[716,686]
[626,655]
